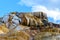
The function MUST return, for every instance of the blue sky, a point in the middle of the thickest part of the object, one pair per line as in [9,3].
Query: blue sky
[50,7]
[7,6]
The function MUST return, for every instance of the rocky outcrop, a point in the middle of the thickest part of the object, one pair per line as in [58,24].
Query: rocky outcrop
[26,26]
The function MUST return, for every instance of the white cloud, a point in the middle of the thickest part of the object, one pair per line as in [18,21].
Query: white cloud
[36,5]
[38,2]
[55,14]
[30,2]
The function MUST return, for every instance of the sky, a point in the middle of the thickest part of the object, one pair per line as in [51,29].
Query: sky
[50,7]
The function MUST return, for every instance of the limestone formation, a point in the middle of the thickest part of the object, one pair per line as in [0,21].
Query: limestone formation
[27,26]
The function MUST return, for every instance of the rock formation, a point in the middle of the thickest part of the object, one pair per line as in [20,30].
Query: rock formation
[25,25]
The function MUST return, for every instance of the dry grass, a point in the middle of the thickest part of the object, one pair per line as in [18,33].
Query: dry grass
[3,29]
[16,36]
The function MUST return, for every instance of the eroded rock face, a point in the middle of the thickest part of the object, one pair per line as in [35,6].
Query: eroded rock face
[28,18]
[32,19]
